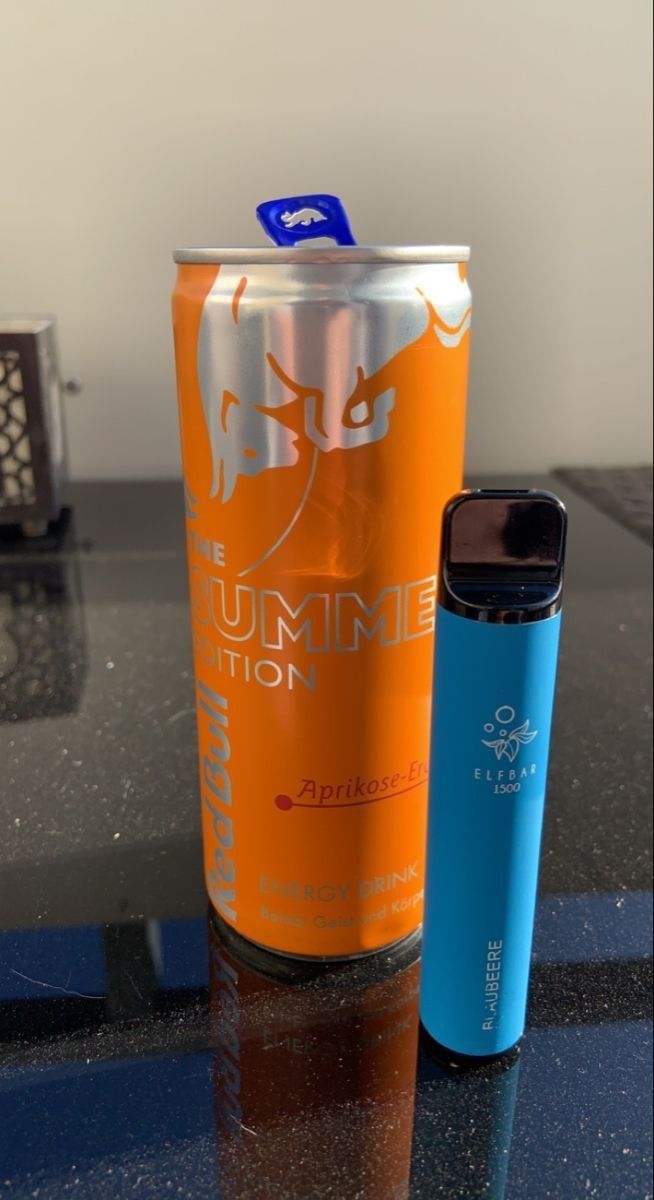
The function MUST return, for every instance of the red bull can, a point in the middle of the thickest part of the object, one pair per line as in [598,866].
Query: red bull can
[322,406]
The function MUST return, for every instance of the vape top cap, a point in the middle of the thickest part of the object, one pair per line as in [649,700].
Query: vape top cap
[502,556]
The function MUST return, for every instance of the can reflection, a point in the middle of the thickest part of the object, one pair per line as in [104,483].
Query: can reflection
[314,1072]
[463,1127]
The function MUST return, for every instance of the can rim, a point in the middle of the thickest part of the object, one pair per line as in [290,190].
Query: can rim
[323,254]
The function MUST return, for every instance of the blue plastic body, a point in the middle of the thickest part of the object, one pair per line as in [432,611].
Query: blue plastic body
[295,219]
[493,698]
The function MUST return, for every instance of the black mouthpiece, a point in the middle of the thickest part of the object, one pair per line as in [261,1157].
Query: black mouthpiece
[502,556]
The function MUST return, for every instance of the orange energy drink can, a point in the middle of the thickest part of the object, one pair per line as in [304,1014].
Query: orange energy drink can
[313,1069]
[322,405]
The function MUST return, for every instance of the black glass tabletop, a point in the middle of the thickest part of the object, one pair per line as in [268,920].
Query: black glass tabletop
[146,1050]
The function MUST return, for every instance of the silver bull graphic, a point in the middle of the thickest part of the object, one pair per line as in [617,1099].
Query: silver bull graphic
[313,334]
[303,216]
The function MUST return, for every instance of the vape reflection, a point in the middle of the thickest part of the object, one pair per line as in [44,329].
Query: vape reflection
[464,1122]
[43,650]
[314,1072]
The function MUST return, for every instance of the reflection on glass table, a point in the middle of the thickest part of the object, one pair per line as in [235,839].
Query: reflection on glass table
[43,640]
[179,1043]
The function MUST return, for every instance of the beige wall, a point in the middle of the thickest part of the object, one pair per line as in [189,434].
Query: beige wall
[520,126]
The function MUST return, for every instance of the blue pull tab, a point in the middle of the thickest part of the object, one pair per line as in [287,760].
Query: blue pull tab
[296,219]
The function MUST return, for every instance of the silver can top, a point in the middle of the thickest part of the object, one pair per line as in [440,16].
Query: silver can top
[323,254]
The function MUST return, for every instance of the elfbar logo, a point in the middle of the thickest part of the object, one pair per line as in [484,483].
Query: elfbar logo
[509,741]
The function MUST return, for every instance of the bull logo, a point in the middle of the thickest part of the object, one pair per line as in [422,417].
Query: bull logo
[257,359]
[303,216]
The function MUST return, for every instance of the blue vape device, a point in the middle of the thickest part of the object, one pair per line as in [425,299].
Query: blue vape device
[497,636]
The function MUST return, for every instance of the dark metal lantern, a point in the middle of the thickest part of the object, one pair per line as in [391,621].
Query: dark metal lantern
[32,450]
